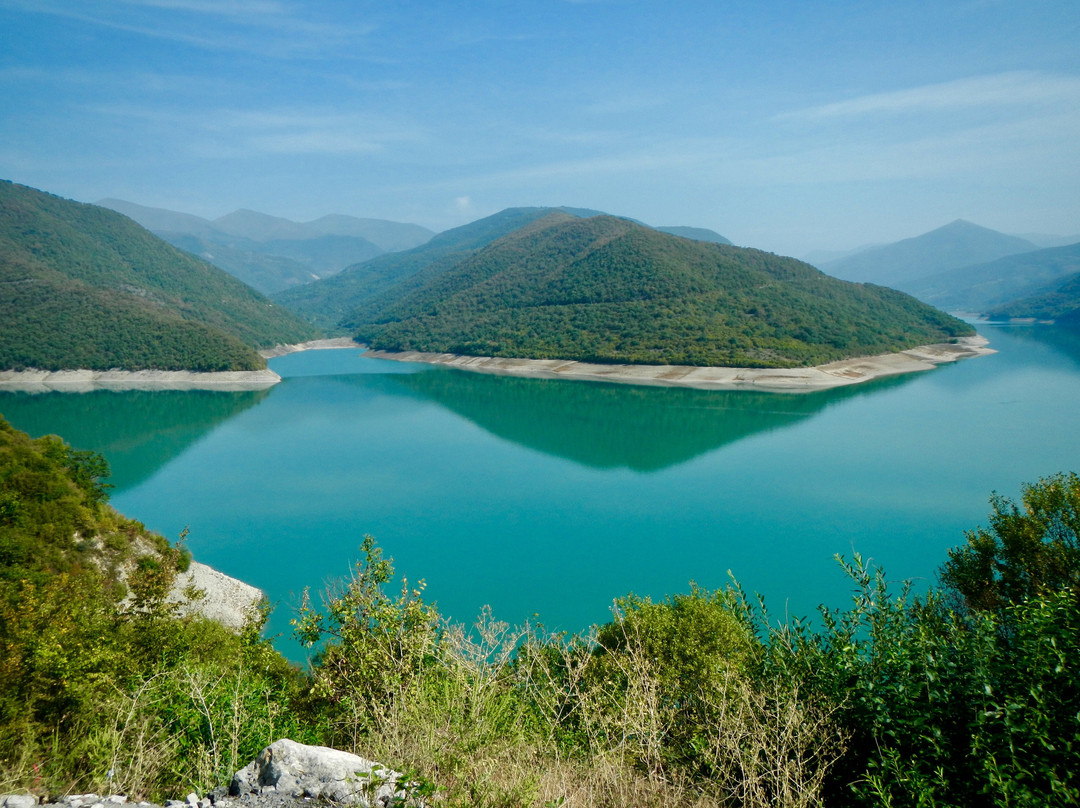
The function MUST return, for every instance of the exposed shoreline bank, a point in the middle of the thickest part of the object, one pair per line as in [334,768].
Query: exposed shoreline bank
[310,345]
[83,381]
[793,380]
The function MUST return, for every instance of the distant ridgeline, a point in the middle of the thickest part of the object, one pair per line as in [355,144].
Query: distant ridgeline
[965,267]
[85,287]
[549,284]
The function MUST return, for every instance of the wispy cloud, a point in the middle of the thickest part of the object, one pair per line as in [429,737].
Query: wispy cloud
[999,90]
[260,27]
[240,133]
[227,8]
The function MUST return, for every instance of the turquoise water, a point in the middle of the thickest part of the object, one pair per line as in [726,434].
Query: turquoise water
[554,497]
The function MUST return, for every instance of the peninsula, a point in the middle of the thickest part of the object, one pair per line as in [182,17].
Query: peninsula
[608,292]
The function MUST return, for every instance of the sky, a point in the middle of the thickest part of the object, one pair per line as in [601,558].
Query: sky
[787,125]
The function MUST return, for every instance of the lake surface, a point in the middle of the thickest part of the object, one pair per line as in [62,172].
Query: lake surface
[552,497]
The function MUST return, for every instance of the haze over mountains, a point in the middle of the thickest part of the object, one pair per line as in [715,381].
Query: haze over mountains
[270,253]
[965,267]
[957,244]
[88,287]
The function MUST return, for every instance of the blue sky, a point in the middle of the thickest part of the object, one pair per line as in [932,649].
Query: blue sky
[789,126]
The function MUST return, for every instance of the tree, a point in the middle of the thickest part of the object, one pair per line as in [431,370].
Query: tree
[1026,552]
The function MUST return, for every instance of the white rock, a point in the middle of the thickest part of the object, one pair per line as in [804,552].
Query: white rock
[296,770]
[18,800]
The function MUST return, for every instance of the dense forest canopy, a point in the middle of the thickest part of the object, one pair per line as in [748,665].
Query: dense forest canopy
[85,287]
[605,289]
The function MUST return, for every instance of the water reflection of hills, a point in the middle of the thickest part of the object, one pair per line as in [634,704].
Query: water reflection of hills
[138,431]
[1062,339]
[617,425]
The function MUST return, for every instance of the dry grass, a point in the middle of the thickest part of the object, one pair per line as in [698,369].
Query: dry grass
[514,719]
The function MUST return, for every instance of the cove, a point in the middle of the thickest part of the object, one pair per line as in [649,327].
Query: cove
[552,497]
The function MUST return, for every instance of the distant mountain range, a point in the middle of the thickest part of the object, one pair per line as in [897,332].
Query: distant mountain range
[964,267]
[982,287]
[270,253]
[955,245]
[85,287]
[1058,303]
[549,283]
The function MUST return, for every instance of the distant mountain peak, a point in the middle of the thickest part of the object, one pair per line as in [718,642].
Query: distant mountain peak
[957,244]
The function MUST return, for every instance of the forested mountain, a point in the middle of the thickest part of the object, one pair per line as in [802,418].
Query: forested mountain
[330,301]
[270,253]
[982,287]
[606,289]
[85,287]
[265,273]
[1060,304]
[958,244]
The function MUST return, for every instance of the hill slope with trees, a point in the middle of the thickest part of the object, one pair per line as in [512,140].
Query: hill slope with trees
[1059,304]
[604,289]
[85,287]
[330,301]
[270,253]
[982,287]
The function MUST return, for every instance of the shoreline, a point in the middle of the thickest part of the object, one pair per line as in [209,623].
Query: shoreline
[82,381]
[310,345]
[841,373]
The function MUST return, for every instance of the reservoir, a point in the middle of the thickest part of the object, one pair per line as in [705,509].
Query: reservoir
[547,499]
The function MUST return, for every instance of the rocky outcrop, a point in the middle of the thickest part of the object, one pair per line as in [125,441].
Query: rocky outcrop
[285,774]
[218,597]
[291,769]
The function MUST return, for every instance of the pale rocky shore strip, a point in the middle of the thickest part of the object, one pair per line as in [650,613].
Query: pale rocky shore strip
[310,345]
[795,380]
[82,381]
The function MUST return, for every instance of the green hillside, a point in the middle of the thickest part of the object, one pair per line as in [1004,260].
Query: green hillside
[269,253]
[1060,303]
[986,286]
[86,287]
[330,301]
[605,289]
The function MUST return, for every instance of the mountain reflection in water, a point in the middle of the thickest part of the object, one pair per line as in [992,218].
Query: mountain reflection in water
[601,425]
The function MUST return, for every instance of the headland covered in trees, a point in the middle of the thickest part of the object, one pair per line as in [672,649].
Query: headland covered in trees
[86,288]
[548,284]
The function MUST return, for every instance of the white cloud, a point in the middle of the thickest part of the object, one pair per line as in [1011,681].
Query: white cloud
[1003,89]
[263,27]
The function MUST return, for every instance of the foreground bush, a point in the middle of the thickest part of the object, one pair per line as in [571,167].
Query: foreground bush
[966,695]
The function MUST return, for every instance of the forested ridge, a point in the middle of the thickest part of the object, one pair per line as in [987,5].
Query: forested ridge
[1060,303]
[85,287]
[605,289]
[329,302]
[966,694]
